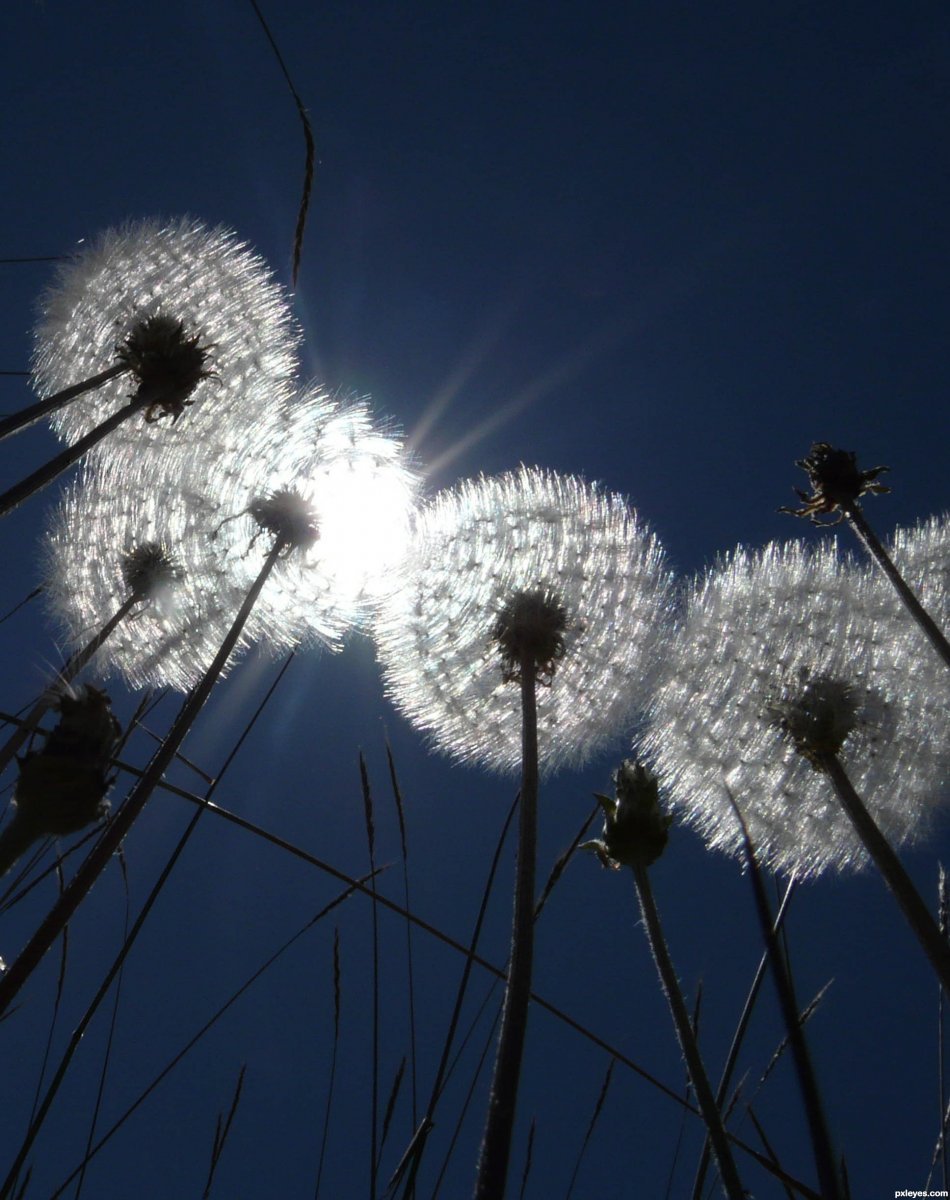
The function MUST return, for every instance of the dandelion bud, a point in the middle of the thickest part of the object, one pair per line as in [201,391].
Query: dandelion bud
[61,788]
[636,829]
[836,482]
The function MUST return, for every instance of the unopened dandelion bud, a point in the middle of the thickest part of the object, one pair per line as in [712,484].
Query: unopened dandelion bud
[62,787]
[636,829]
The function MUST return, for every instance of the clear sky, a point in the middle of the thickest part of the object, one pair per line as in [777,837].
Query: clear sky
[665,247]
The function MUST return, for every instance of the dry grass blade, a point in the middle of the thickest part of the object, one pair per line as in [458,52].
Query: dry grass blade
[333,1058]
[374,1098]
[528,1156]
[768,1147]
[100,1091]
[598,1108]
[412,1158]
[391,1105]
[26,600]
[222,1129]
[561,864]
[410,975]
[209,1024]
[311,150]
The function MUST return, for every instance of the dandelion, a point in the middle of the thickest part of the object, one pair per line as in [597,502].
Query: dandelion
[522,631]
[472,550]
[773,643]
[790,690]
[187,314]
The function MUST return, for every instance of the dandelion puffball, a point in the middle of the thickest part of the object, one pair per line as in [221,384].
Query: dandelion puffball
[776,648]
[150,276]
[472,550]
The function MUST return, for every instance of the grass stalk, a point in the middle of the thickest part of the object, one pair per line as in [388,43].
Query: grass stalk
[42,408]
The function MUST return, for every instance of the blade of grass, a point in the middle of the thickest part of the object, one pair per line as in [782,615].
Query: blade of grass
[410,975]
[528,1157]
[374,1089]
[333,1057]
[221,1133]
[598,1108]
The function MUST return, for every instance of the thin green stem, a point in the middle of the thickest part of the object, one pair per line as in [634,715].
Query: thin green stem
[895,876]
[499,1124]
[872,543]
[721,1149]
[90,870]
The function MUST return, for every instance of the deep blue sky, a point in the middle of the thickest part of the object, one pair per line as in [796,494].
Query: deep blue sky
[663,246]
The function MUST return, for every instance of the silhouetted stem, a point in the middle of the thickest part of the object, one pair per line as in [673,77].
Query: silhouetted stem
[65,676]
[63,461]
[829,1179]
[35,412]
[917,914]
[872,544]
[499,1123]
[81,883]
[712,1117]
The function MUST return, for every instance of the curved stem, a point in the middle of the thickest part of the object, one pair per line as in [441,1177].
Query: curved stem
[51,470]
[895,876]
[499,1122]
[81,883]
[722,1152]
[35,412]
[872,544]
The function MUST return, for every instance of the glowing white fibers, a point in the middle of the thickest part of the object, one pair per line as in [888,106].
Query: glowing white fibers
[472,549]
[762,633]
[172,636]
[322,459]
[206,279]
[353,479]
[922,555]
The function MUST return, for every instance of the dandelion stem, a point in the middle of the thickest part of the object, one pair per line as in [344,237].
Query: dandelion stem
[828,1176]
[722,1152]
[499,1124]
[35,412]
[890,866]
[65,676]
[51,470]
[872,543]
[87,874]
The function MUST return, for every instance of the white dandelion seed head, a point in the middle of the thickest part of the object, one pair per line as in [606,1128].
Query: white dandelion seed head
[221,292]
[328,470]
[473,549]
[107,520]
[779,649]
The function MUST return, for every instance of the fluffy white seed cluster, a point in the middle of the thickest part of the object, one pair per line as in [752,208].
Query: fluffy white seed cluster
[472,549]
[220,291]
[330,460]
[349,478]
[768,639]
[922,555]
